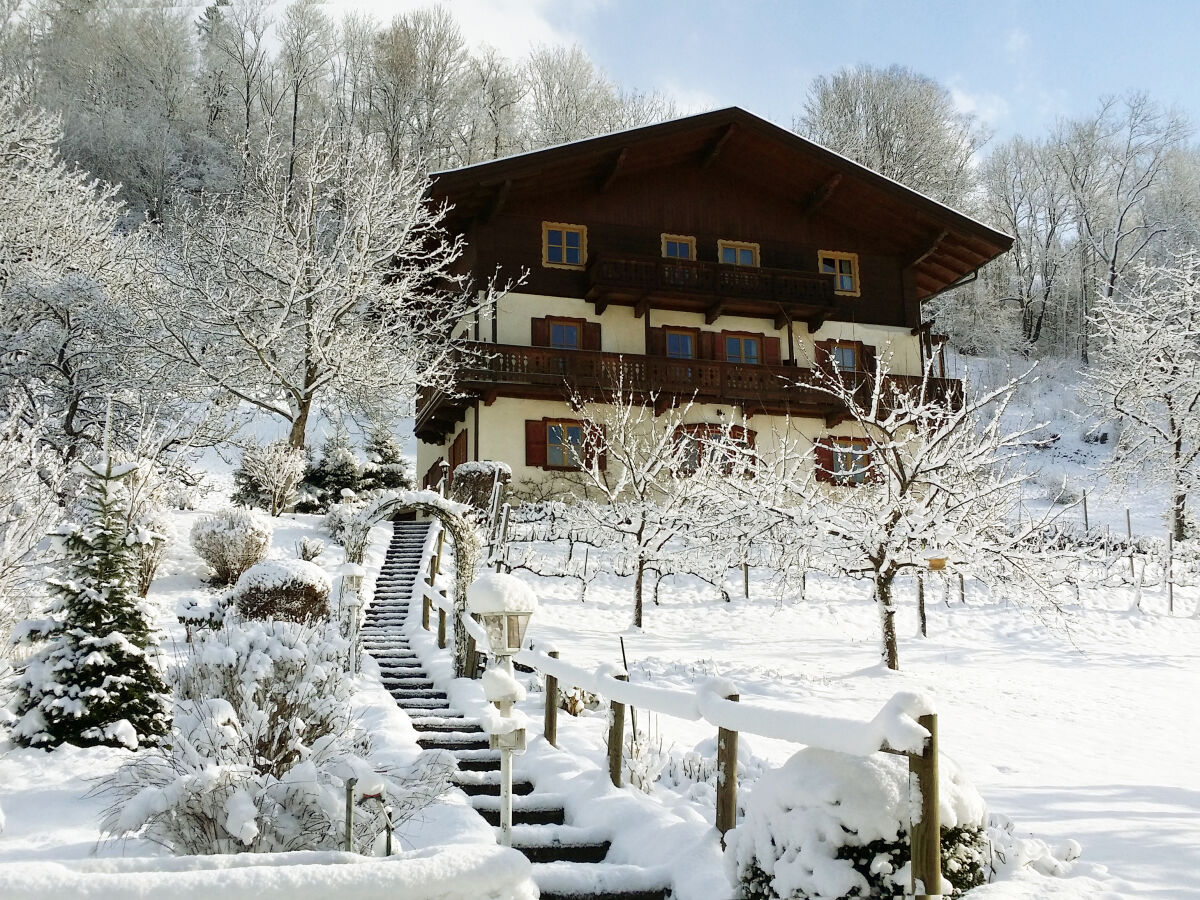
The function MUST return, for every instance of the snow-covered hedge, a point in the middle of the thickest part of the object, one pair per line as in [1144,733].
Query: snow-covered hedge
[232,540]
[471,482]
[829,825]
[289,589]
[262,744]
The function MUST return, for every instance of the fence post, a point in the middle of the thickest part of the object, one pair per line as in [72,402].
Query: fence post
[1086,527]
[727,755]
[350,783]
[441,628]
[746,579]
[1129,535]
[925,833]
[616,737]
[425,604]
[550,719]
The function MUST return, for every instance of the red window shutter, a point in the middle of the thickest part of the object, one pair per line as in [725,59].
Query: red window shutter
[539,333]
[591,336]
[704,346]
[771,351]
[535,442]
[823,461]
[658,342]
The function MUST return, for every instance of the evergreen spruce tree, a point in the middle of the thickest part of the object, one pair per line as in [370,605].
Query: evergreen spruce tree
[386,467]
[92,682]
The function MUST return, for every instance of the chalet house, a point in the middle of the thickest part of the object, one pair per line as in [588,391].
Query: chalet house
[716,258]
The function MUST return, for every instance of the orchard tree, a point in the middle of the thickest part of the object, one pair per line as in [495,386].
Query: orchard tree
[898,122]
[1147,377]
[330,286]
[925,471]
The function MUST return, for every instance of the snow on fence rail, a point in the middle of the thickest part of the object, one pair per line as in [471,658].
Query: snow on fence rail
[465,872]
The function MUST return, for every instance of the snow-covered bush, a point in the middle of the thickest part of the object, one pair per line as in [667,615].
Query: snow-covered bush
[339,516]
[151,531]
[386,468]
[309,549]
[336,470]
[208,611]
[472,482]
[269,476]
[828,825]
[290,589]
[262,745]
[231,541]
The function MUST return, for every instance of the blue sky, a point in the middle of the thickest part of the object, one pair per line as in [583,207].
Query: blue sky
[1017,64]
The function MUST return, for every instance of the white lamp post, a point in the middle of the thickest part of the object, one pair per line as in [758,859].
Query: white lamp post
[503,604]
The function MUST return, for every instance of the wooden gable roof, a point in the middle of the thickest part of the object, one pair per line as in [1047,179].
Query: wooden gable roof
[939,244]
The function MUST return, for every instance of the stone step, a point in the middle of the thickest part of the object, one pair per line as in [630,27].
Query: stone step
[491,788]
[523,816]
[564,852]
[479,764]
[422,703]
[601,881]
[427,725]
[474,742]
[401,692]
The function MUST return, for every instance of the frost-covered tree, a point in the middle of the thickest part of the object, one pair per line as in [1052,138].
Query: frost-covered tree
[94,681]
[928,471]
[898,122]
[647,480]
[1147,377]
[333,286]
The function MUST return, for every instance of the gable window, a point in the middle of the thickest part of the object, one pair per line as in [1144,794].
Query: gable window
[681,344]
[564,246]
[851,457]
[844,269]
[678,246]
[737,253]
[740,349]
[564,334]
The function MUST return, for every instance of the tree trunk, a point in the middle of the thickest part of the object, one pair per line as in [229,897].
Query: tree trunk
[921,605]
[887,621]
[637,591]
[1178,491]
[298,435]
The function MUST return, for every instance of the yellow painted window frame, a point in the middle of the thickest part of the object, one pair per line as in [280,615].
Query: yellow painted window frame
[854,270]
[688,239]
[564,227]
[740,245]
[859,449]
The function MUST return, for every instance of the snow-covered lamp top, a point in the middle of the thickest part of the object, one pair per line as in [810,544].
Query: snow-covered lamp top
[504,603]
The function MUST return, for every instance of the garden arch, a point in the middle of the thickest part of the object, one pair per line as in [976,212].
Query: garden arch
[454,521]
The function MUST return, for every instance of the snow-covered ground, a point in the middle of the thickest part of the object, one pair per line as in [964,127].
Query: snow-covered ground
[1080,727]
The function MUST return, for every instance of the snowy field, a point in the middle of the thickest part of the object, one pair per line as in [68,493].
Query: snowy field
[1079,727]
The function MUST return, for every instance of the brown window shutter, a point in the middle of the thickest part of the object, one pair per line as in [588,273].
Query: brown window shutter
[704,346]
[658,342]
[876,472]
[771,351]
[539,333]
[866,357]
[591,336]
[749,435]
[535,442]
[823,461]
[821,355]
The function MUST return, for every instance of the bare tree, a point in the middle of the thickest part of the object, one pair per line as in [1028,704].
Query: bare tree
[304,54]
[1147,377]
[331,286]
[898,122]
[235,35]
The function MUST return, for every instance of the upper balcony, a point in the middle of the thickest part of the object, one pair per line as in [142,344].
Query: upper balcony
[489,371]
[714,289]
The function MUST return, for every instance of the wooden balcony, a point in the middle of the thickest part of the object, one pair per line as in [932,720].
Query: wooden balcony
[489,371]
[714,289]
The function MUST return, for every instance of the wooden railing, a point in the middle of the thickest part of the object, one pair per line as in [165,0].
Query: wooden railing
[650,275]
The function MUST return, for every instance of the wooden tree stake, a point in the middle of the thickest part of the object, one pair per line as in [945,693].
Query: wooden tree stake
[550,719]
[616,738]
[925,833]
[727,756]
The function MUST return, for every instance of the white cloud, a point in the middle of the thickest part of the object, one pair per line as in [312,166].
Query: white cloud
[1017,41]
[511,26]
[991,109]
[691,99]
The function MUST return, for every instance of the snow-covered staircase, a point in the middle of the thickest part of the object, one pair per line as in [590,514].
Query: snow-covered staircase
[568,862]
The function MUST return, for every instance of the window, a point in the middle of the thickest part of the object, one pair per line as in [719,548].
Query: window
[844,269]
[564,444]
[845,357]
[742,349]
[678,246]
[681,344]
[737,253]
[851,459]
[564,334]
[564,246]
[731,448]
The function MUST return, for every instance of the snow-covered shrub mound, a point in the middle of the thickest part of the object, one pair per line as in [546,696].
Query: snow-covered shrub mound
[339,516]
[262,744]
[472,481]
[290,589]
[829,825]
[231,540]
